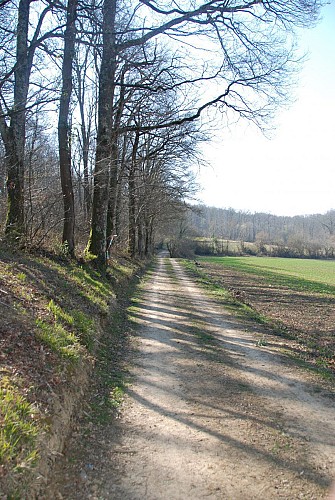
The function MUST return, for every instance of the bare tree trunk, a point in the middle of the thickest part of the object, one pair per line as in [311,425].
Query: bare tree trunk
[14,134]
[64,129]
[132,199]
[132,212]
[30,213]
[148,236]
[87,193]
[98,239]
[119,185]
[85,129]
[140,238]
[114,171]
[85,138]
[112,199]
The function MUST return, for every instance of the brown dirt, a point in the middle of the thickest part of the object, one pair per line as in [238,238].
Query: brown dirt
[210,412]
[307,317]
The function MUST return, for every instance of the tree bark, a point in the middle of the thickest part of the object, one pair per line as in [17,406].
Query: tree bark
[85,130]
[114,170]
[14,134]
[87,191]
[112,198]
[132,199]
[132,212]
[98,239]
[64,129]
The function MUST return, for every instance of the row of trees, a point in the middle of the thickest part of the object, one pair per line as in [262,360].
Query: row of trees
[117,94]
[301,235]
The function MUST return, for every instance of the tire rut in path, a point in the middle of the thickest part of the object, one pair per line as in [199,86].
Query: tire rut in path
[209,414]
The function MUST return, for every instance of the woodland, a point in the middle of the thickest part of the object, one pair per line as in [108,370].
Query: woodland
[104,105]
[210,230]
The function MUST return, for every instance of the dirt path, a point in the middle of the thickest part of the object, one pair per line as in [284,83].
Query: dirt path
[211,412]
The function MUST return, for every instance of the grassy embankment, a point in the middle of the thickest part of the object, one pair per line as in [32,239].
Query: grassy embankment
[295,297]
[53,312]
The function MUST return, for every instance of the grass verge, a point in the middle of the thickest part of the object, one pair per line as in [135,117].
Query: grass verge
[19,427]
[53,311]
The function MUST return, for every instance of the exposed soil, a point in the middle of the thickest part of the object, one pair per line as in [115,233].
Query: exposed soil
[209,413]
[307,317]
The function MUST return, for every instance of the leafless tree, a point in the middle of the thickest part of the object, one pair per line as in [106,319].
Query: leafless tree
[251,42]
[64,131]
[161,70]
[14,86]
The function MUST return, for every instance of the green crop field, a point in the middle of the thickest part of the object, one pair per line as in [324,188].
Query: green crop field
[316,276]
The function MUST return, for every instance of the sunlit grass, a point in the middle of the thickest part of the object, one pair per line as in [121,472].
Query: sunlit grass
[18,429]
[59,314]
[316,276]
[79,322]
[60,340]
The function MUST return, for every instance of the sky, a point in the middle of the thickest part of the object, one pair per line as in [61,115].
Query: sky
[293,173]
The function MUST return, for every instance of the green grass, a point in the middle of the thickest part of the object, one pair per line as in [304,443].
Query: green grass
[60,340]
[59,314]
[81,295]
[315,276]
[66,306]
[78,321]
[87,283]
[19,428]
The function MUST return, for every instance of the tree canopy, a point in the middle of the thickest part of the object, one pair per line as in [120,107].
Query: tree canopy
[134,87]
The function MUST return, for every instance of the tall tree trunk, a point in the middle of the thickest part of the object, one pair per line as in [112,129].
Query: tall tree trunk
[114,171]
[132,199]
[87,191]
[132,212]
[14,134]
[98,239]
[147,237]
[85,139]
[85,129]
[64,129]
[118,201]
[119,185]
[112,199]
[140,239]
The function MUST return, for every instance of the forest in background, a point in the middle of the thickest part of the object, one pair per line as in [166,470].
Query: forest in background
[226,231]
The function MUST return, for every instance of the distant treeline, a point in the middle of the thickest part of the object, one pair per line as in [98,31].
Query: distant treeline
[212,228]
